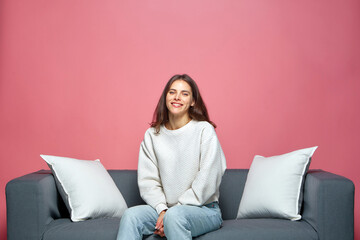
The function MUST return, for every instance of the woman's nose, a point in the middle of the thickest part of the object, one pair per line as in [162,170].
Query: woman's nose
[177,96]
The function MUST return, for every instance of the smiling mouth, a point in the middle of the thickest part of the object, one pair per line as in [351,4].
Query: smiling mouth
[176,105]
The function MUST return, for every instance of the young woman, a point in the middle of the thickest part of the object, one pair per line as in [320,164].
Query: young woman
[180,167]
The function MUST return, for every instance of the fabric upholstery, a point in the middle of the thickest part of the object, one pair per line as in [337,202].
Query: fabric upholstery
[104,229]
[329,205]
[261,229]
[254,229]
[232,184]
[36,211]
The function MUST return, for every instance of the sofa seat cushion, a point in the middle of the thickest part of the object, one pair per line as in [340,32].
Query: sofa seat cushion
[247,229]
[263,229]
[65,229]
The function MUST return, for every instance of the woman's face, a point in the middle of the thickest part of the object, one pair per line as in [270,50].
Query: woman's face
[179,98]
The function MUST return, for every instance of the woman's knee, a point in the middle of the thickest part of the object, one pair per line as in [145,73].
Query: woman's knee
[176,224]
[128,215]
[175,216]
[134,213]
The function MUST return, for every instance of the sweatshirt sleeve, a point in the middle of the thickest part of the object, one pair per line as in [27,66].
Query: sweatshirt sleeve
[149,182]
[212,168]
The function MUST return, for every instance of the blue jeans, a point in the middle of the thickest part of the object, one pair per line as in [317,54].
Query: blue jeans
[180,222]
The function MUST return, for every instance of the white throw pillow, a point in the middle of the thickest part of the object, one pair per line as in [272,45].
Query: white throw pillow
[86,188]
[274,186]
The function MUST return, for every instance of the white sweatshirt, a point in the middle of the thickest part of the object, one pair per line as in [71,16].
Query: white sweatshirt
[182,166]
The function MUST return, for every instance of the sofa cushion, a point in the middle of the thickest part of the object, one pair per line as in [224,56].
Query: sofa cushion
[65,229]
[86,188]
[262,229]
[254,229]
[274,186]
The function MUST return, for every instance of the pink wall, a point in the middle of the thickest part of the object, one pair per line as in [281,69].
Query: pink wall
[82,78]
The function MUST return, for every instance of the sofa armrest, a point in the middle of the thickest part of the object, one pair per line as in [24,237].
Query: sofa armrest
[329,205]
[32,202]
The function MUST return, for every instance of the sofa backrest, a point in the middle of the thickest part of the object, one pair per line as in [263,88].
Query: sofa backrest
[231,189]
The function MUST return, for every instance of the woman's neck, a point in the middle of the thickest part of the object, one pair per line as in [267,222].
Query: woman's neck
[177,122]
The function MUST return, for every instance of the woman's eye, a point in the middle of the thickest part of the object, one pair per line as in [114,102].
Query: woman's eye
[171,92]
[186,94]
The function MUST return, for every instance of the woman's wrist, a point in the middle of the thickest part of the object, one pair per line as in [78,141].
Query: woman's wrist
[160,207]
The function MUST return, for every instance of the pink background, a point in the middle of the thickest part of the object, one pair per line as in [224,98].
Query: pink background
[82,79]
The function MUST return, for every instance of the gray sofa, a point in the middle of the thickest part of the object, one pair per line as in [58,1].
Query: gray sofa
[36,211]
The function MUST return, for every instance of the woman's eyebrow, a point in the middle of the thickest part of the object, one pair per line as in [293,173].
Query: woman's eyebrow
[172,89]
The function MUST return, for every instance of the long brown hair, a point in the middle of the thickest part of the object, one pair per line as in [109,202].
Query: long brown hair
[197,112]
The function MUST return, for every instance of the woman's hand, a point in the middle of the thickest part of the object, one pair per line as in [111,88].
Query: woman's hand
[159,227]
